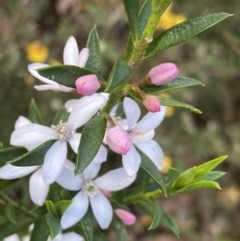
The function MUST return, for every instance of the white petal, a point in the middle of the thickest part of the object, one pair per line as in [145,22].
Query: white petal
[32,134]
[32,69]
[153,151]
[69,165]
[123,123]
[54,161]
[21,121]
[101,155]
[75,211]
[9,172]
[131,161]
[115,180]
[46,87]
[83,57]
[150,121]
[70,104]
[91,171]
[71,236]
[74,141]
[13,237]
[141,137]
[131,110]
[84,110]
[38,188]
[70,52]
[68,180]
[64,88]
[102,210]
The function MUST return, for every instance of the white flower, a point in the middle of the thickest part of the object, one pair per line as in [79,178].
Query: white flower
[71,56]
[32,135]
[90,192]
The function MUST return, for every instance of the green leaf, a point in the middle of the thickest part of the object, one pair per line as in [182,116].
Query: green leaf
[94,62]
[62,115]
[62,206]
[129,49]
[10,153]
[6,183]
[170,224]
[183,32]
[170,102]
[91,140]
[119,229]
[87,226]
[40,231]
[173,174]
[211,176]
[64,74]
[1,145]
[100,236]
[152,170]
[34,114]
[51,207]
[177,83]
[143,179]
[121,71]
[10,213]
[157,215]
[34,157]
[54,225]
[131,8]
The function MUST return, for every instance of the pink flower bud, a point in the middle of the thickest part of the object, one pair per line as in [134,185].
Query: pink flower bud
[87,85]
[152,103]
[163,73]
[126,217]
[106,192]
[118,140]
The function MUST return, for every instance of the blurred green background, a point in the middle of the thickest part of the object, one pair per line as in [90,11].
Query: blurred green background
[187,139]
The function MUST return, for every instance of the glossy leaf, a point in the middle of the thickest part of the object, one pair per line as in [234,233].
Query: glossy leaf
[119,229]
[64,74]
[62,115]
[10,153]
[152,170]
[173,174]
[54,225]
[129,49]
[120,72]
[87,226]
[211,176]
[94,62]
[34,157]
[131,9]
[170,102]
[100,236]
[143,179]
[62,206]
[177,83]
[170,224]
[184,31]
[91,140]
[40,231]
[51,207]
[34,114]
[157,215]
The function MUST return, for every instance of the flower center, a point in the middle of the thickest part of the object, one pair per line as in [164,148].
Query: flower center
[63,132]
[89,188]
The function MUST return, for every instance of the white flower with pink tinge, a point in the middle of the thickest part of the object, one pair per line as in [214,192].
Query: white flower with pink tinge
[90,191]
[32,135]
[71,56]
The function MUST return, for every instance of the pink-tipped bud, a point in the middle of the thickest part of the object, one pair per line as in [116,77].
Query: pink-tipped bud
[118,140]
[87,85]
[126,217]
[163,73]
[152,103]
[106,192]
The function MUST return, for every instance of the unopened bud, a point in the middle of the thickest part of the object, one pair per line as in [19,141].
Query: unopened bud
[152,103]
[163,73]
[118,140]
[106,192]
[126,217]
[87,85]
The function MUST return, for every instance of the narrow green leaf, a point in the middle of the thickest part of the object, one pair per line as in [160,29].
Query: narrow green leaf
[173,174]
[10,153]
[34,114]
[143,179]
[129,49]
[170,224]
[54,225]
[94,62]
[10,213]
[1,145]
[62,115]
[211,176]
[183,32]
[65,74]
[40,231]
[87,226]
[170,102]
[51,207]
[131,9]
[121,71]
[177,83]
[119,229]
[152,170]
[34,157]
[100,236]
[157,215]
[62,206]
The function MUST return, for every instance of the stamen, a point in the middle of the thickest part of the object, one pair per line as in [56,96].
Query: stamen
[63,132]
[89,188]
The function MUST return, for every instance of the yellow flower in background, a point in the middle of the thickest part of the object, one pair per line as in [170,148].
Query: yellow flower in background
[36,52]
[169,109]
[169,19]
[167,163]
[54,62]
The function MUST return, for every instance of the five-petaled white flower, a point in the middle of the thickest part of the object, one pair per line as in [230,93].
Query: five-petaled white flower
[32,135]
[71,56]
